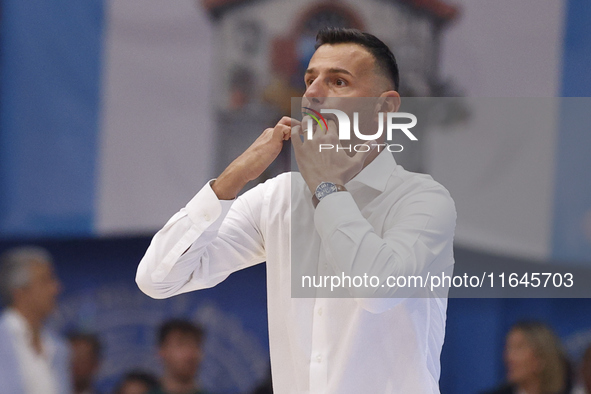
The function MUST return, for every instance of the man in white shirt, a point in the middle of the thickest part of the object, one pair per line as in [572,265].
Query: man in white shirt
[32,360]
[366,215]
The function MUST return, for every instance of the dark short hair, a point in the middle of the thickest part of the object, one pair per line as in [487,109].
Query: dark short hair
[91,338]
[141,376]
[182,326]
[384,58]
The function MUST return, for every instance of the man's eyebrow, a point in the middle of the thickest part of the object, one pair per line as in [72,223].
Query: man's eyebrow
[333,70]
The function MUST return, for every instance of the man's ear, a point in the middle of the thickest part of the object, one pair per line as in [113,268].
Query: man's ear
[390,102]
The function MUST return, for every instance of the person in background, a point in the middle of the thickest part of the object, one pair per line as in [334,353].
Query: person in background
[32,359]
[265,387]
[137,382]
[535,361]
[180,350]
[584,381]
[86,357]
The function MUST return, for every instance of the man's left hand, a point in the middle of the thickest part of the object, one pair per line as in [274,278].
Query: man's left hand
[319,162]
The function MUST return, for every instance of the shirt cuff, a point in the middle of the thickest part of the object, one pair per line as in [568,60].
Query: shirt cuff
[334,210]
[206,210]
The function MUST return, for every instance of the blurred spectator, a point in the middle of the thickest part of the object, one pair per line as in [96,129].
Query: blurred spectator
[86,357]
[584,384]
[535,361]
[32,360]
[265,387]
[137,382]
[180,350]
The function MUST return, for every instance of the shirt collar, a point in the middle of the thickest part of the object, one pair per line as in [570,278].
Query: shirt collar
[375,174]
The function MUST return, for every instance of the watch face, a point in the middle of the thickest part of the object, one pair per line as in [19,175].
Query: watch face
[324,189]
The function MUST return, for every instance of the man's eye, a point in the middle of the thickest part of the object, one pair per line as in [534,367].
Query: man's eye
[340,82]
[309,82]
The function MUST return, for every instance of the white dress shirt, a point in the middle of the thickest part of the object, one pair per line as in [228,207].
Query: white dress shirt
[390,222]
[37,373]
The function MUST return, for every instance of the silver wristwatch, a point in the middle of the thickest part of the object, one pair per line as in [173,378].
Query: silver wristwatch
[326,188]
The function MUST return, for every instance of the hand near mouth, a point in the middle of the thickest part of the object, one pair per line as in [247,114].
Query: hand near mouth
[334,165]
[251,164]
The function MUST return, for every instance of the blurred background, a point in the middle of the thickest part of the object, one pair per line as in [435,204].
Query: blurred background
[113,114]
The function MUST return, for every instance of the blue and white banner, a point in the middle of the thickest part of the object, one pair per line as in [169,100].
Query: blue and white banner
[106,121]
[518,171]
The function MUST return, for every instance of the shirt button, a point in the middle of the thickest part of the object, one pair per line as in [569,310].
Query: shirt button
[319,311]
[206,217]
[319,358]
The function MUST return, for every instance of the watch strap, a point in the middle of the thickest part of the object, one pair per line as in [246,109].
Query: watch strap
[340,188]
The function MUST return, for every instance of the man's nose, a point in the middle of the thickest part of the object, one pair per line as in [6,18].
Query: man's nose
[316,92]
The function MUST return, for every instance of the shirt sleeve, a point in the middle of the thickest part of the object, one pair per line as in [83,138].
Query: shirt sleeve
[416,241]
[203,243]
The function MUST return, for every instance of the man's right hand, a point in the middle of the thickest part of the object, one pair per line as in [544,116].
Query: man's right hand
[251,164]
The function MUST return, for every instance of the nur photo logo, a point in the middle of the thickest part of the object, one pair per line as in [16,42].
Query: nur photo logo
[344,129]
